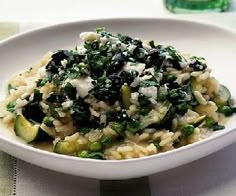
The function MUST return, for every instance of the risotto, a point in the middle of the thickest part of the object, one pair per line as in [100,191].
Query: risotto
[115,97]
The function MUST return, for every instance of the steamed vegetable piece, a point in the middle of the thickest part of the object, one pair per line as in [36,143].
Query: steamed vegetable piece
[126,94]
[159,118]
[197,121]
[90,155]
[11,106]
[65,147]
[33,111]
[210,123]
[223,96]
[227,110]
[28,131]
[188,130]
[47,121]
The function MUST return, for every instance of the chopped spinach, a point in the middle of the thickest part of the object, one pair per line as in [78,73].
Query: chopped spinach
[33,110]
[210,123]
[70,91]
[154,58]
[9,87]
[11,106]
[56,98]
[133,126]
[90,155]
[143,100]
[106,140]
[100,29]
[157,145]
[152,44]
[198,63]
[118,127]
[148,83]
[80,112]
[104,91]
[42,82]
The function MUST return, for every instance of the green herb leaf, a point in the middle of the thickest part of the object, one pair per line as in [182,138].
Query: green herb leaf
[42,82]
[95,146]
[100,29]
[144,111]
[70,90]
[210,123]
[9,87]
[117,127]
[152,44]
[11,106]
[157,144]
[133,126]
[106,140]
[91,155]
[95,155]
[84,129]
[148,83]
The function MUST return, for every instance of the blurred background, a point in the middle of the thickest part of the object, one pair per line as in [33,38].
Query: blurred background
[65,10]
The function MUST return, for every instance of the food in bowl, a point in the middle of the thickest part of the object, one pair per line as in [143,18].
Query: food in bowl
[115,97]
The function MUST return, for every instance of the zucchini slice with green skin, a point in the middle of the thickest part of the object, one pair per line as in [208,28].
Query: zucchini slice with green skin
[47,121]
[167,119]
[160,118]
[65,147]
[28,131]
[223,97]
[199,120]
[126,94]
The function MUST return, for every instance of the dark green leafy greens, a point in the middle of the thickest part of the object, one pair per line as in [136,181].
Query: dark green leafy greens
[33,111]
[210,123]
[11,106]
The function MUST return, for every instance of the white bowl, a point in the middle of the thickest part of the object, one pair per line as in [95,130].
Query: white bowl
[217,44]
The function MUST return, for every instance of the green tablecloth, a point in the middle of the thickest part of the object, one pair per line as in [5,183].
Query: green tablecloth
[6,161]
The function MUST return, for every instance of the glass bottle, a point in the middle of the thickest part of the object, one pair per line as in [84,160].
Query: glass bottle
[186,6]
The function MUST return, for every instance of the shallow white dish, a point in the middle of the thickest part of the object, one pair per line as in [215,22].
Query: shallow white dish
[217,44]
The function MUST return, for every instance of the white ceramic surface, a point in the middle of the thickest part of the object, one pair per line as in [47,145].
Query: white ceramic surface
[217,44]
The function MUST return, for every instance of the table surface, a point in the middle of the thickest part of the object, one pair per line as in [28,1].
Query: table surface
[213,175]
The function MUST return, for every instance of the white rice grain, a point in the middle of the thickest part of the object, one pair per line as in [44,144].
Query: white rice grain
[165,141]
[200,98]
[203,76]
[151,148]
[196,73]
[144,136]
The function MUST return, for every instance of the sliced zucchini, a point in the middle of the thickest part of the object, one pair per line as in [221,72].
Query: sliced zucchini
[223,97]
[65,147]
[28,131]
[167,119]
[160,117]
[197,121]
[126,94]
[48,121]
